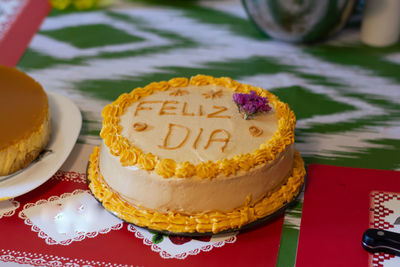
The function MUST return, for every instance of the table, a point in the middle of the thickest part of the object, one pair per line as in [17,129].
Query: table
[346,95]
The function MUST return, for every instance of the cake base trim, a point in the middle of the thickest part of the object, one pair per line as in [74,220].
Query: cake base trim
[209,222]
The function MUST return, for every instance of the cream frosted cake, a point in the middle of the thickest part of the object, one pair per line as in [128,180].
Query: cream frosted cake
[198,155]
[24,120]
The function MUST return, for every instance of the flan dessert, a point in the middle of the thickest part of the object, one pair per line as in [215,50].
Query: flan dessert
[198,155]
[24,120]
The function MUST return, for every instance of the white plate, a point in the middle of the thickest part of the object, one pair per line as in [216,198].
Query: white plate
[66,122]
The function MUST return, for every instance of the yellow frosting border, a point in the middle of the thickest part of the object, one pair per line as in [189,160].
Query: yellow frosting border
[130,155]
[214,221]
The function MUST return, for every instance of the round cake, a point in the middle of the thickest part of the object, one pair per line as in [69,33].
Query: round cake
[197,155]
[24,120]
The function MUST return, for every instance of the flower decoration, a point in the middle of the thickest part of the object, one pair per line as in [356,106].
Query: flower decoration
[251,104]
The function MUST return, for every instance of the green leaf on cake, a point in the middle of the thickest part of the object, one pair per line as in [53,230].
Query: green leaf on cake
[157,238]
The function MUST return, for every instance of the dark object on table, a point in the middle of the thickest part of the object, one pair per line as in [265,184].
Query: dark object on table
[376,240]
[299,21]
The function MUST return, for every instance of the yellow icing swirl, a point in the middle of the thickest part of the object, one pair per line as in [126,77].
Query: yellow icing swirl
[147,161]
[158,86]
[178,82]
[129,157]
[228,166]
[201,80]
[166,168]
[185,169]
[207,169]
[245,162]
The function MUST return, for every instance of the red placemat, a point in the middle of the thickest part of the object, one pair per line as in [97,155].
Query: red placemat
[61,223]
[19,21]
[339,205]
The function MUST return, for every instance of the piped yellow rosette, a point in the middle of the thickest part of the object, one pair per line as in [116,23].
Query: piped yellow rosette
[214,221]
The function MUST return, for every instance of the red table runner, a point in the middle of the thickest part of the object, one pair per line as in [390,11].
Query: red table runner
[19,21]
[339,205]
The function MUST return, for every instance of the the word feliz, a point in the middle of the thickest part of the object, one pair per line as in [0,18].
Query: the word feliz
[173,107]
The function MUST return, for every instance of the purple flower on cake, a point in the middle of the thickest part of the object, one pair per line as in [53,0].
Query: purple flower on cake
[250,104]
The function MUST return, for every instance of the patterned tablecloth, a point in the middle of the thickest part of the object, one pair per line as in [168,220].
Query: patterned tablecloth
[346,95]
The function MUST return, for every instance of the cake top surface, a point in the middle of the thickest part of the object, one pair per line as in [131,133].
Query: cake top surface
[195,124]
[191,127]
[23,105]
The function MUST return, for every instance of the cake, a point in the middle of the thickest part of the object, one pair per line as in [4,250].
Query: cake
[24,120]
[184,156]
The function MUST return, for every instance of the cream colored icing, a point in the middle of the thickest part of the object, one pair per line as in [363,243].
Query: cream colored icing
[190,122]
[193,195]
[213,221]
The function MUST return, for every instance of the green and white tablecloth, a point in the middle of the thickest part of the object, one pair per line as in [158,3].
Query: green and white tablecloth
[346,95]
